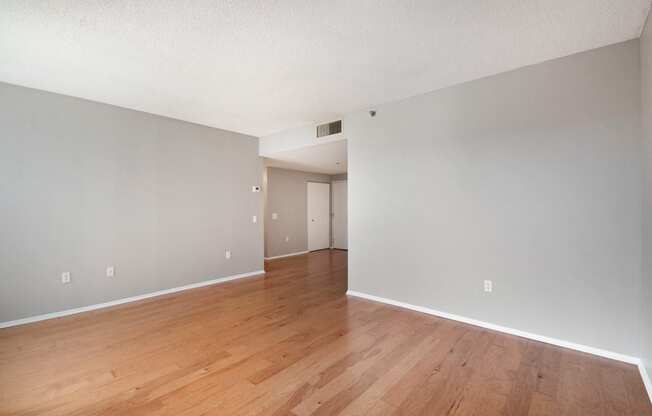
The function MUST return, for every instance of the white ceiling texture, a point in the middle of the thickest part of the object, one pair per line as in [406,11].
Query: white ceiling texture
[262,66]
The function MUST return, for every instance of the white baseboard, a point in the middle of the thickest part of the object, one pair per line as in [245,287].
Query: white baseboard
[646,379]
[126,300]
[560,343]
[298,253]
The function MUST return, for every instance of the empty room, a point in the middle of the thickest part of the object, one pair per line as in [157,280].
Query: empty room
[349,208]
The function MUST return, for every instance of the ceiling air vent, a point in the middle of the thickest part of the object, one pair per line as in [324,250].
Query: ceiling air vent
[327,129]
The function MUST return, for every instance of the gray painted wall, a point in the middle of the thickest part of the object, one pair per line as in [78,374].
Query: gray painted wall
[286,194]
[646,95]
[86,185]
[529,178]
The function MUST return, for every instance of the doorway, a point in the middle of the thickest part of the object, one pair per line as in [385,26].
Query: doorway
[305,203]
[319,202]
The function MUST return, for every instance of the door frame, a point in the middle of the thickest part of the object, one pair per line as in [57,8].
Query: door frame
[330,219]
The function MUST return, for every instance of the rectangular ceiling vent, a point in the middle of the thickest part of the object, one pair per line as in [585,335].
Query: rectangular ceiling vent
[328,129]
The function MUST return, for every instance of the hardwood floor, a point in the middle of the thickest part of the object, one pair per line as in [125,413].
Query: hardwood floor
[292,343]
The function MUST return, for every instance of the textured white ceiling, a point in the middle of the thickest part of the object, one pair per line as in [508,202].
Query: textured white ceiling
[261,66]
[329,158]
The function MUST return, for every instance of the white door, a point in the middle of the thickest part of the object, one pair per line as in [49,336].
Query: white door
[339,215]
[319,208]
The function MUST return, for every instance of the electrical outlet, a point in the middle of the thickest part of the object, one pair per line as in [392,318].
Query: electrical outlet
[110,271]
[488,285]
[254,219]
[227,254]
[255,188]
[274,216]
[65,278]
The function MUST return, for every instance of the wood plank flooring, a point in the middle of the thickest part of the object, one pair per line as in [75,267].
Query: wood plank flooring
[292,343]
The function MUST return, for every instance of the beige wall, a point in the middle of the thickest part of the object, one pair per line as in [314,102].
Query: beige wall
[86,185]
[646,95]
[530,178]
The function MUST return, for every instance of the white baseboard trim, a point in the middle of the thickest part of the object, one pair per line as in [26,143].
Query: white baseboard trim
[646,379]
[560,343]
[74,311]
[298,253]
